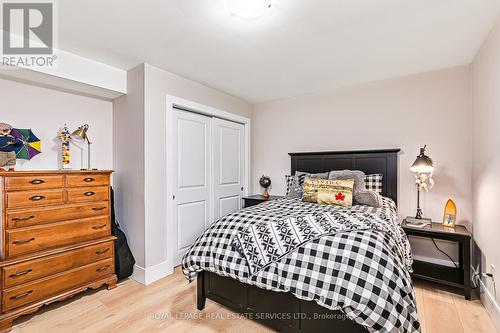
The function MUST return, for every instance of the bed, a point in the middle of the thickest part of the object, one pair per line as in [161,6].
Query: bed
[314,289]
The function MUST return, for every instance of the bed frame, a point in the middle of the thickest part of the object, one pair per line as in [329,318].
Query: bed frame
[283,311]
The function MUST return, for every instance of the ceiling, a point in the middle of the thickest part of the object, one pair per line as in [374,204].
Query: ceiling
[298,47]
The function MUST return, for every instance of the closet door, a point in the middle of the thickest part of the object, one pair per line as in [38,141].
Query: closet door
[229,166]
[192,185]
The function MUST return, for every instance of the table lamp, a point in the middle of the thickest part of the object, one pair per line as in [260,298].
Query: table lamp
[423,168]
[81,134]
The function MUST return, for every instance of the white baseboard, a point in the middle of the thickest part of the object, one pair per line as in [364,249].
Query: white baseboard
[489,302]
[437,261]
[151,274]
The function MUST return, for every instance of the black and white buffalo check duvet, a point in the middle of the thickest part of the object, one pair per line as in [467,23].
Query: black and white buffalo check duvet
[364,273]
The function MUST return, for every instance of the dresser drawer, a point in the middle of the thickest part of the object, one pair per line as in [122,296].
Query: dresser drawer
[84,194]
[87,180]
[35,198]
[44,237]
[17,274]
[31,217]
[34,182]
[51,286]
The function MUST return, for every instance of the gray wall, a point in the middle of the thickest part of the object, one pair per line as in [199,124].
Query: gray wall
[431,108]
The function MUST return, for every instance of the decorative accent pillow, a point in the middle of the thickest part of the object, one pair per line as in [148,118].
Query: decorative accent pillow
[356,175]
[301,176]
[329,192]
[289,181]
[368,198]
[297,186]
[374,183]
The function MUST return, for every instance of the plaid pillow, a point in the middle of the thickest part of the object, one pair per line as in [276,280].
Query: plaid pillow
[374,183]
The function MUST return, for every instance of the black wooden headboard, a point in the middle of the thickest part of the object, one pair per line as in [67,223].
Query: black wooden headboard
[369,161]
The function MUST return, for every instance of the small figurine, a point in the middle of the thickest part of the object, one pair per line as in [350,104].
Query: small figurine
[424,181]
[8,143]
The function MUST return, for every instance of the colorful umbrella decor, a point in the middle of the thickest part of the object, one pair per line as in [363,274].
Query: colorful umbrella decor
[31,144]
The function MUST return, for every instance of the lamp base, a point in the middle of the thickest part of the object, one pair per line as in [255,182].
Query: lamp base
[415,221]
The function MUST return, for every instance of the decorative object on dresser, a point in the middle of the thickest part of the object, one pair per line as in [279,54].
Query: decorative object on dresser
[423,169]
[450,214]
[457,276]
[31,145]
[81,134]
[8,145]
[56,238]
[65,138]
[265,182]
[257,199]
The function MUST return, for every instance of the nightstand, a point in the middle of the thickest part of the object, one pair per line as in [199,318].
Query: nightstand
[450,276]
[257,199]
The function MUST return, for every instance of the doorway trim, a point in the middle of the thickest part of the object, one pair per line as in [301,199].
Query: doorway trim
[184,104]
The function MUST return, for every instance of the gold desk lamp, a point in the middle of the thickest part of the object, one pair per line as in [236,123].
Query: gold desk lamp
[81,134]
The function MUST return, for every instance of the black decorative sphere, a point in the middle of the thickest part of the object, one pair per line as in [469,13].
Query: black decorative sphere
[265,181]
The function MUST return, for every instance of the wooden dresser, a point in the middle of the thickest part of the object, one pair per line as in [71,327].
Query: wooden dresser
[55,238]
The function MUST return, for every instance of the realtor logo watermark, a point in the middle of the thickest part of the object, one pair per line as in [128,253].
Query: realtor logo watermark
[28,34]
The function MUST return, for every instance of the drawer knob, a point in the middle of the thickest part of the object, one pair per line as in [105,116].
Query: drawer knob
[89,194]
[37,181]
[21,295]
[102,269]
[24,241]
[98,226]
[21,273]
[96,209]
[37,198]
[23,218]
[88,180]
[102,251]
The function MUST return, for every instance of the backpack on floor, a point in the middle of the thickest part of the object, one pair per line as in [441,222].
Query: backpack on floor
[124,260]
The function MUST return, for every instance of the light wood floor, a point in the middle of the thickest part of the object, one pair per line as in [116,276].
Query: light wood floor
[132,307]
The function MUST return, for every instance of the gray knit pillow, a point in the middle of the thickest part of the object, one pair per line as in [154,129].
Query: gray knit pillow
[368,198]
[297,188]
[358,194]
[358,176]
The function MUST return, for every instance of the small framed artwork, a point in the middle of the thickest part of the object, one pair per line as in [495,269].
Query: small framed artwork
[450,214]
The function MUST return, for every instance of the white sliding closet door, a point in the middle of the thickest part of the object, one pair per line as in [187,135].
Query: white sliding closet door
[229,166]
[192,183]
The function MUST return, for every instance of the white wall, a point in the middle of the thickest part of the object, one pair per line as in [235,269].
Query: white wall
[144,110]
[128,152]
[45,111]
[486,157]
[431,108]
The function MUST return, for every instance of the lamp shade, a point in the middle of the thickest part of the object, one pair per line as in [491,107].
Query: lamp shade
[81,132]
[423,163]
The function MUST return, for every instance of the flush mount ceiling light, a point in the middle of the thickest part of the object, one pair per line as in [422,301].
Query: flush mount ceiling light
[247,9]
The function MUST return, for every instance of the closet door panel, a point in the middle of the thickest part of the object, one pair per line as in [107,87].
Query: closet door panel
[229,172]
[192,179]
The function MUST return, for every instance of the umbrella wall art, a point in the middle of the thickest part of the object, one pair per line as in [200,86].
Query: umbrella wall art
[31,144]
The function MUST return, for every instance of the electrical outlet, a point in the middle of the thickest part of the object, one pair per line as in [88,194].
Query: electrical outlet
[492,270]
